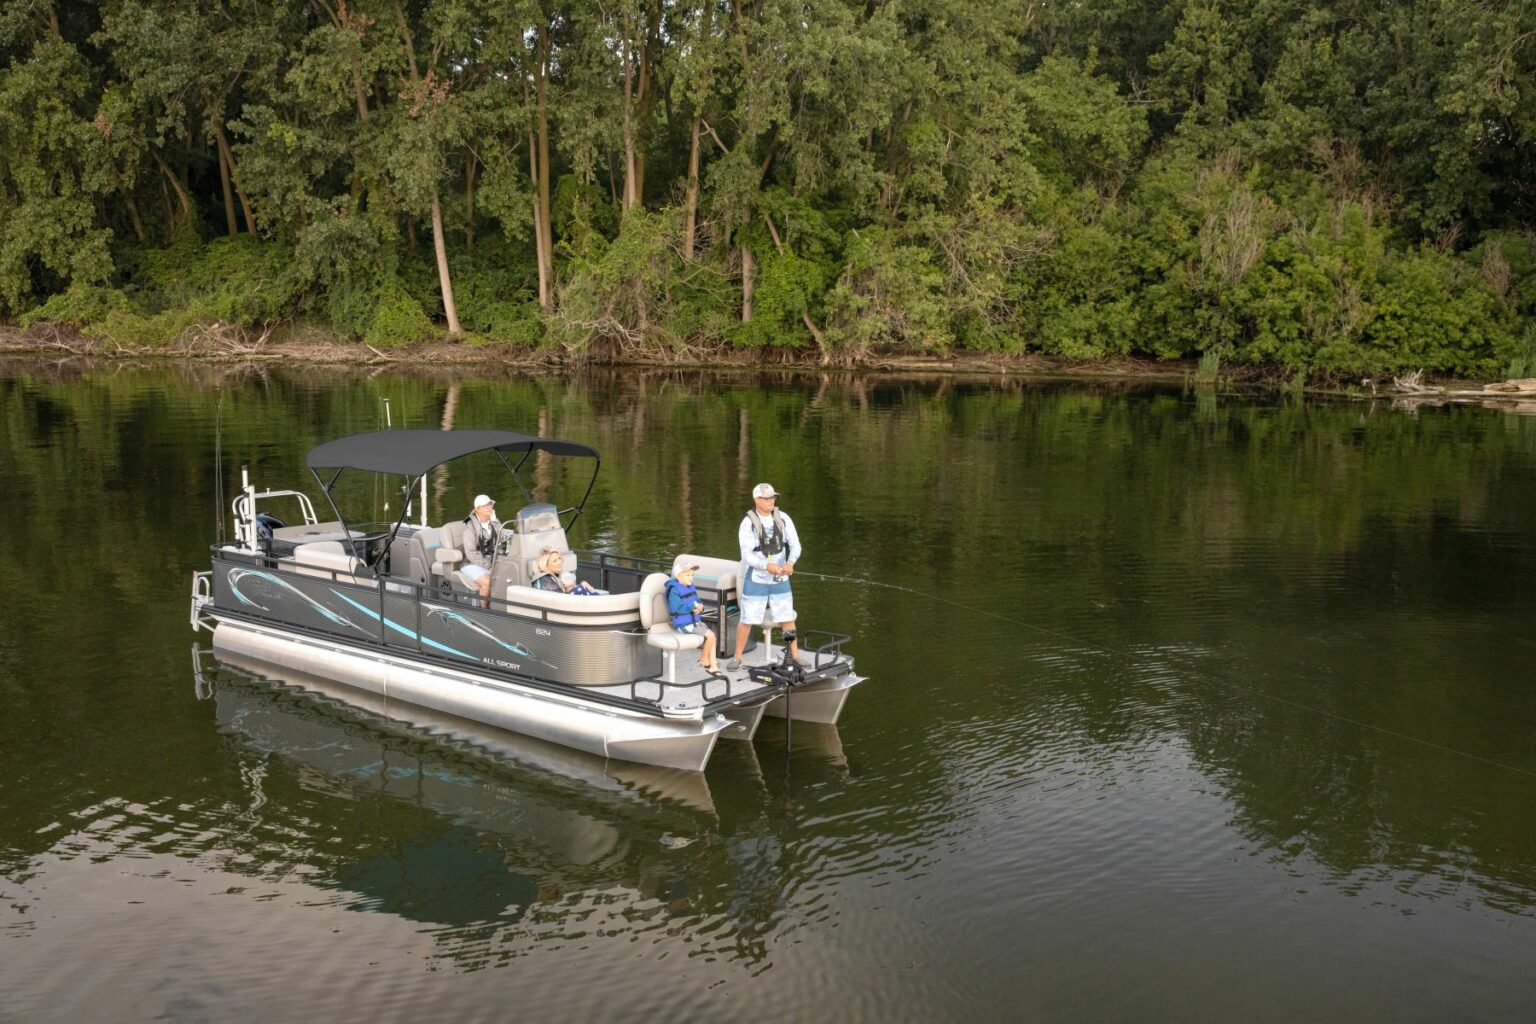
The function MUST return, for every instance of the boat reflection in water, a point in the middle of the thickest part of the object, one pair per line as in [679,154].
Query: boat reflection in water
[503,842]
[441,820]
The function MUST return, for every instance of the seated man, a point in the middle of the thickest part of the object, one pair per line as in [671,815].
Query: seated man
[549,574]
[481,531]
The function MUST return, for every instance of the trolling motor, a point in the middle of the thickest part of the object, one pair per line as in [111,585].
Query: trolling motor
[787,672]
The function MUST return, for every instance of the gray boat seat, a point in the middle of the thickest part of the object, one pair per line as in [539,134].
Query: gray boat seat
[448,557]
[659,632]
[287,538]
[309,533]
[611,611]
[435,557]
[537,527]
[714,573]
[328,559]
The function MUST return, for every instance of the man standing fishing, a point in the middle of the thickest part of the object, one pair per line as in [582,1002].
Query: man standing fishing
[770,547]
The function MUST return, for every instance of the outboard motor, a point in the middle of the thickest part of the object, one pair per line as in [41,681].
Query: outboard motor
[265,524]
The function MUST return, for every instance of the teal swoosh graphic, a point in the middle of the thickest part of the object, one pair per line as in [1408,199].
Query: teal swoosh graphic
[392,624]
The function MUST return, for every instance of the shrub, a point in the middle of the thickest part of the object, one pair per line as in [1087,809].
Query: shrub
[888,294]
[78,306]
[397,320]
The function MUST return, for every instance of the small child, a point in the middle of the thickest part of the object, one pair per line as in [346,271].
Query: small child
[684,606]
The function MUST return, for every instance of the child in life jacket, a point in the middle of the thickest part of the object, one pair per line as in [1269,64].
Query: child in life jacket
[684,606]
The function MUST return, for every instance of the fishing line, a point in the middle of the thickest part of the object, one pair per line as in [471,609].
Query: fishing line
[856,581]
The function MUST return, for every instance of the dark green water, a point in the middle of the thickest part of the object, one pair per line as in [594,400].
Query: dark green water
[1239,724]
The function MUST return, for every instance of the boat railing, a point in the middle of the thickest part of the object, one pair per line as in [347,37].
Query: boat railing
[385,585]
[825,648]
[607,563]
[629,571]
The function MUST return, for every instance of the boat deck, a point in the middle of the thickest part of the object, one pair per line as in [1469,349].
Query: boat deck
[696,688]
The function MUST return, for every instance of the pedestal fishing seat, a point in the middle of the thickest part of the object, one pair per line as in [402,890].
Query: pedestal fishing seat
[660,633]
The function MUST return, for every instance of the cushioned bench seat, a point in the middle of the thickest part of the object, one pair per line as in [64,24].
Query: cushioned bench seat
[611,610]
[327,559]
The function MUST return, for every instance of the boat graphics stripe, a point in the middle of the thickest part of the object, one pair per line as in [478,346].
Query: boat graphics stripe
[236,576]
[450,616]
[457,619]
[392,624]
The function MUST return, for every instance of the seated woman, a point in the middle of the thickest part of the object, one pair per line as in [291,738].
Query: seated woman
[684,606]
[549,574]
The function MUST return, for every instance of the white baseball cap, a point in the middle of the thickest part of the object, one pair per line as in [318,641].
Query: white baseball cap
[484,499]
[764,491]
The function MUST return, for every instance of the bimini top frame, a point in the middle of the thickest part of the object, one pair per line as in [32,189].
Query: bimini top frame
[414,453]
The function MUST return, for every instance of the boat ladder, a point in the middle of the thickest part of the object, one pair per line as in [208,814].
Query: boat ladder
[202,597]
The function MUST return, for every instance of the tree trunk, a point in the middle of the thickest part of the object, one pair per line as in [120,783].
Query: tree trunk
[690,221]
[645,97]
[133,208]
[469,203]
[629,127]
[234,177]
[229,196]
[746,284]
[169,212]
[691,202]
[541,103]
[538,226]
[439,244]
[449,309]
[182,198]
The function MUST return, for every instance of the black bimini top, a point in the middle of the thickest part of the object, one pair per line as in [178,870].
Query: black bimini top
[414,452]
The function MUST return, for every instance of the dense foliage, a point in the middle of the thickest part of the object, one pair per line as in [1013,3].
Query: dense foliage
[1325,186]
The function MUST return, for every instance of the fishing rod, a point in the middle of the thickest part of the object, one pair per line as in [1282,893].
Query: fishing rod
[877,584]
[218,470]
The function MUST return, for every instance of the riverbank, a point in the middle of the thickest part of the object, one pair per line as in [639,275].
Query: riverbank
[309,346]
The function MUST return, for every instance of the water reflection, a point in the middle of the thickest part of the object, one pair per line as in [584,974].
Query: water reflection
[1255,692]
[448,822]
[493,836]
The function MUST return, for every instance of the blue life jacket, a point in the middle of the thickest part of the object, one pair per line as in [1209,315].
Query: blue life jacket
[680,601]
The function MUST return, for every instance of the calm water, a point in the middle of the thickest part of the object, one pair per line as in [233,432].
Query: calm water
[1238,721]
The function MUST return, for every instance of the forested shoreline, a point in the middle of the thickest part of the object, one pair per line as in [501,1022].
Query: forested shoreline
[1322,189]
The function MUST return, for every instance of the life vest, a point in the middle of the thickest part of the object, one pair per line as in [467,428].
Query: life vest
[690,595]
[768,543]
[485,543]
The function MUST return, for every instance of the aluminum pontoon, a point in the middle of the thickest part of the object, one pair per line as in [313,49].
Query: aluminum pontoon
[385,608]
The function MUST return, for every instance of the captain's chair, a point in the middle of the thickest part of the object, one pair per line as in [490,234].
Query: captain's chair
[436,556]
[538,527]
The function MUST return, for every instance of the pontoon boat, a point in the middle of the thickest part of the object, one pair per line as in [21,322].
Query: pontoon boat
[387,609]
